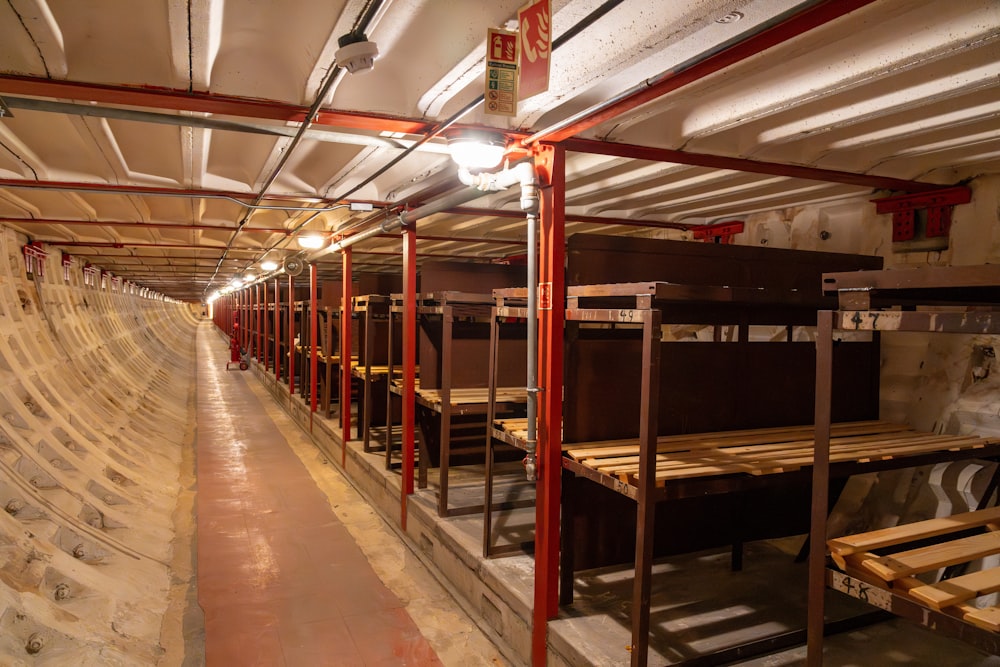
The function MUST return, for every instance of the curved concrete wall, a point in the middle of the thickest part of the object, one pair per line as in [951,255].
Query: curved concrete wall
[96,401]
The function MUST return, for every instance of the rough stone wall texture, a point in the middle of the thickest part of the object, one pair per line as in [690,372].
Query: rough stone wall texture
[95,404]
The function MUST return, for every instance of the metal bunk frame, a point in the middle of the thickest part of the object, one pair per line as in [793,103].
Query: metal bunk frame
[877,301]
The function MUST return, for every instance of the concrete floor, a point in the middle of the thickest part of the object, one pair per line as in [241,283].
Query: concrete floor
[416,597]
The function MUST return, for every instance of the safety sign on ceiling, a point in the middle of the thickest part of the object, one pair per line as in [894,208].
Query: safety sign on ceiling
[535,28]
[501,72]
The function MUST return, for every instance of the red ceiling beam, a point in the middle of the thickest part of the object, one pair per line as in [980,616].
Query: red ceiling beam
[140,225]
[141,190]
[202,102]
[129,244]
[459,239]
[590,219]
[656,87]
[744,165]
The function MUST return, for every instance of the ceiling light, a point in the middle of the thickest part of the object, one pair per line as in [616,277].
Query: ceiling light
[249,278]
[477,149]
[268,265]
[311,241]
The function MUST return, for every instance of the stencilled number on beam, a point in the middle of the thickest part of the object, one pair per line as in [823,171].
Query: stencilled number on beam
[877,597]
[871,320]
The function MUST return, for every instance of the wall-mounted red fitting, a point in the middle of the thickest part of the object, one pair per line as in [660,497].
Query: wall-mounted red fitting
[67,262]
[719,232]
[34,258]
[937,203]
[89,275]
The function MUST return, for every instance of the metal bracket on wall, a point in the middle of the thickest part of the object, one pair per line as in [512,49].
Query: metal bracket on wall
[719,232]
[938,205]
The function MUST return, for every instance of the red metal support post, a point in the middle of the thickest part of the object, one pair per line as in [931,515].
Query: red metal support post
[251,320]
[265,328]
[277,331]
[244,318]
[313,334]
[409,362]
[345,354]
[291,335]
[258,319]
[551,166]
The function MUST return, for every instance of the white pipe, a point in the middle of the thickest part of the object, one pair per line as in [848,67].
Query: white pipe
[529,204]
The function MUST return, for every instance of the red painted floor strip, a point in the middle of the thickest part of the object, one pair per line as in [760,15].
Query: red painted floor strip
[280,579]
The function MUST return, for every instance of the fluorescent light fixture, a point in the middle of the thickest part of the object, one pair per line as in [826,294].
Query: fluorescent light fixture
[268,265]
[477,149]
[312,241]
[362,206]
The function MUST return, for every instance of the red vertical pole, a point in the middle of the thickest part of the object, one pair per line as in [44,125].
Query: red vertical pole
[313,335]
[245,318]
[552,176]
[257,319]
[409,361]
[266,323]
[291,335]
[238,317]
[251,321]
[277,331]
[345,354]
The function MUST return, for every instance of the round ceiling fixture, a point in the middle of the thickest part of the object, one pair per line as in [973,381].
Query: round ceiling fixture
[477,149]
[356,54]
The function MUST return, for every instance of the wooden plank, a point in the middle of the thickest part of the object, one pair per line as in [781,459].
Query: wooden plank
[924,559]
[718,439]
[910,532]
[987,619]
[959,589]
[772,460]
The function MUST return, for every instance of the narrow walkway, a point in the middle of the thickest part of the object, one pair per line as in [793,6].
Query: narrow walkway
[280,579]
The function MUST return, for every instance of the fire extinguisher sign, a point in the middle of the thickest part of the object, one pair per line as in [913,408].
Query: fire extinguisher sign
[545,296]
[501,72]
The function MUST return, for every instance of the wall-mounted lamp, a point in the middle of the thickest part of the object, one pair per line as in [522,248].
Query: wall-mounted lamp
[476,149]
[312,241]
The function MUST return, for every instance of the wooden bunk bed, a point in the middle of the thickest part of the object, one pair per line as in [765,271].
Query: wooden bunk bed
[719,428]
[882,567]
[394,372]
[371,370]
[452,389]
[507,322]
[452,396]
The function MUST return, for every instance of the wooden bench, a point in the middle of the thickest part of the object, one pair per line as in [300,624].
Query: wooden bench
[764,451]
[957,539]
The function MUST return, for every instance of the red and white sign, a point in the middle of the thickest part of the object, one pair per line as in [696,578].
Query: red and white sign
[544,296]
[501,72]
[535,21]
